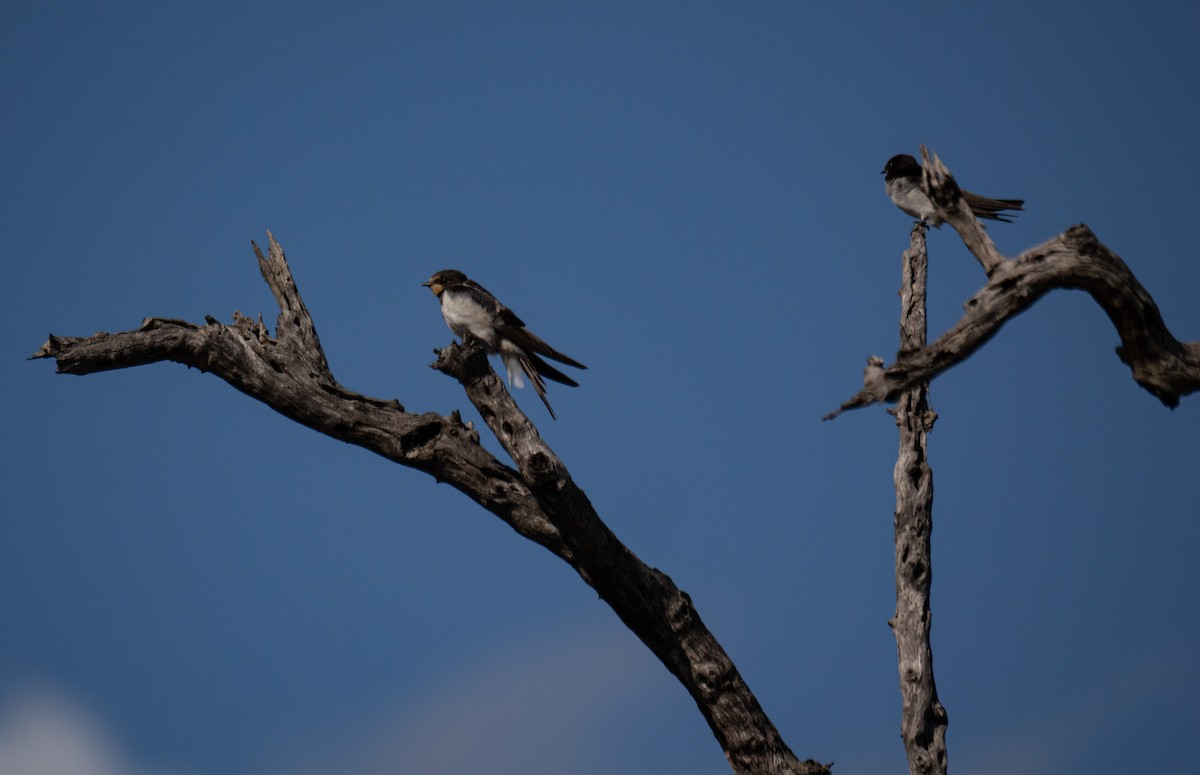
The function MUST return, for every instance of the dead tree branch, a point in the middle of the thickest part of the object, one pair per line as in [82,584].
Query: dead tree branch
[1167,368]
[290,374]
[923,720]
[647,600]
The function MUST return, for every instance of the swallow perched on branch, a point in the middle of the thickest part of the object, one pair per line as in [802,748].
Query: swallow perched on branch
[902,180]
[476,315]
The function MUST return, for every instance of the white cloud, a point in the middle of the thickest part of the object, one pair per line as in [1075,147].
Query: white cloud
[537,704]
[44,732]
[530,706]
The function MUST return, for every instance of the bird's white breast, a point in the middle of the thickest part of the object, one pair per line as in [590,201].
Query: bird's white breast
[464,315]
[909,197]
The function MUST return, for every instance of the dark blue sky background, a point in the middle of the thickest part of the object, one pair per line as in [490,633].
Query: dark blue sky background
[684,196]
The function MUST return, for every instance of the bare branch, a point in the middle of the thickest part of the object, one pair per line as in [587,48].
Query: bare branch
[646,599]
[923,720]
[294,323]
[290,375]
[540,500]
[1167,368]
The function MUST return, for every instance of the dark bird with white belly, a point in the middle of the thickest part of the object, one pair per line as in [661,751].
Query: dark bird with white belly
[477,316]
[902,180]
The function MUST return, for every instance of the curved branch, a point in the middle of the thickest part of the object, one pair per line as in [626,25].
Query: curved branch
[290,374]
[1167,368]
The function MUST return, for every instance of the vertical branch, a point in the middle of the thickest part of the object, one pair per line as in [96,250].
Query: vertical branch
[294,324]
[923,719]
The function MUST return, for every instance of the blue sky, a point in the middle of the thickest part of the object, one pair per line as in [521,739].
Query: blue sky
[684,196]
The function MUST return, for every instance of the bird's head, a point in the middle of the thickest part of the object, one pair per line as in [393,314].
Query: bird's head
[901,166]
[444,279]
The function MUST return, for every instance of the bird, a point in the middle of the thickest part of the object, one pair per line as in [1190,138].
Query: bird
[902,180]
[476,315]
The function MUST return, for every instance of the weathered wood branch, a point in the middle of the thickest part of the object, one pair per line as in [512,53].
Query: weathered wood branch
[1165,367]
[923,720]
[290,374]
[645,598]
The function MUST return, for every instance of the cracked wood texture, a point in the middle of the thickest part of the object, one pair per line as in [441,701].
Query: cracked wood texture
[923,720]
[1165,367]
[538,499]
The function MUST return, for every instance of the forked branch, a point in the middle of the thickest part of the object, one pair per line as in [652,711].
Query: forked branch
[1167,368]
[538,499]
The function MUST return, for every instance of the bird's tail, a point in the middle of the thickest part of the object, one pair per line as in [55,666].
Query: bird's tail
[518,363]
[532,343]
[547,371]
[993,209]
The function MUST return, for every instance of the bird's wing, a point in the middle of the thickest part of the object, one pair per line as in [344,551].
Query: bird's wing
[984,207]
[485,299]
[532,343]
[513,328]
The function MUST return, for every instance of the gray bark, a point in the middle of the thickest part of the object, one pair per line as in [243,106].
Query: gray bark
[1165,367]
[923,720]
[539,499]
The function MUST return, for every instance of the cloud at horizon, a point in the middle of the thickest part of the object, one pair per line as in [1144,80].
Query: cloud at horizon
[520,706]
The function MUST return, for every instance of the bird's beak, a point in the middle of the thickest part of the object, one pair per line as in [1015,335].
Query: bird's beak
[427,283]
